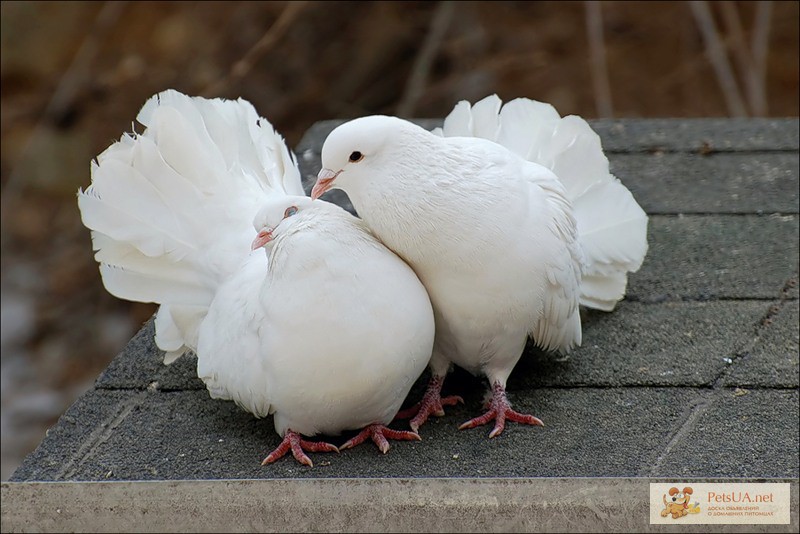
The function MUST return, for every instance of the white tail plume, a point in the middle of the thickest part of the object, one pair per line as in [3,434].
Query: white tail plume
[171,209]
[611,224]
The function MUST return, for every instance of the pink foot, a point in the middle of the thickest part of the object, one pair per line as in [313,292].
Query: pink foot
[379,433]
[295,442]
[500,411]
[432,403]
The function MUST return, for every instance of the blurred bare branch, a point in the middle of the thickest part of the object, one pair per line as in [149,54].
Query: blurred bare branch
[415,85]
[719,60]
[760,45]
[744,58]
[272,37]
[597,59]
[69,85]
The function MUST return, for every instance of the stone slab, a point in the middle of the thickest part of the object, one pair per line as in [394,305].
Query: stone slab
[84,424]
[673,344]
[774,360]
[674,183]
[751,433]
[717,257]
[698,135]
[140,365]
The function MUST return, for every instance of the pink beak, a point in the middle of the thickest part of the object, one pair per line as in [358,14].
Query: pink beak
[263,237]
[325,180]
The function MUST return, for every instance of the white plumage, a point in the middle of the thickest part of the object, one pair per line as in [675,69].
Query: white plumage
[328,330]
[612,227]
[510,218]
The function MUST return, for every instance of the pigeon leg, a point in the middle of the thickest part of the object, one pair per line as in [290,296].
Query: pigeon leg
[500,411]
[294,441]
[432,403]
[379,435]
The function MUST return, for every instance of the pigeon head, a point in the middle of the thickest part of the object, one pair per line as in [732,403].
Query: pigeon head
[355,152]
[276,216]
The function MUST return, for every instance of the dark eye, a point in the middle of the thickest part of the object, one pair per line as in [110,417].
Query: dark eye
[356,156]
[291,210]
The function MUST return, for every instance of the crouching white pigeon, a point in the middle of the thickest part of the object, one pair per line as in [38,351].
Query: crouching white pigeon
[510,218]
[327,329]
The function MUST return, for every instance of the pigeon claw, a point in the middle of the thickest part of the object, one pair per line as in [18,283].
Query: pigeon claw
[432,403]
[294,442]
[438,411]
[432,406]
[379,434]
[500,411]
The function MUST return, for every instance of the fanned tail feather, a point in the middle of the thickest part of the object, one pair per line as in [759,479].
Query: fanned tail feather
[171,209]
[612,227]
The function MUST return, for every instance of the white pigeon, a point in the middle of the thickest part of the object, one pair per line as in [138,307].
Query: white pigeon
[327,329]
[510,218]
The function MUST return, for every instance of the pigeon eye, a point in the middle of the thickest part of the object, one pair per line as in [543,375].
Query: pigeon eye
[356,156]
[291,210]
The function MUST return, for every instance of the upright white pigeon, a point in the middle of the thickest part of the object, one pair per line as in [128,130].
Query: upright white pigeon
[327,329]
[510,218]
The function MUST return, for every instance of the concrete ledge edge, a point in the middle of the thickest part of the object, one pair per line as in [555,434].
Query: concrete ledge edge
[352,505]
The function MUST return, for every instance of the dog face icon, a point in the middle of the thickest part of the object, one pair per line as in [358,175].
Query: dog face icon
[677,504]
[681,496]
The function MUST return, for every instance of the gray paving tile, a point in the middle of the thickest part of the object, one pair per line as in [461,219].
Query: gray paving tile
[86,422]
[750,435]
[774,360]
[671,344]
[719,183]
[692,135]
[713,257]
[141,365]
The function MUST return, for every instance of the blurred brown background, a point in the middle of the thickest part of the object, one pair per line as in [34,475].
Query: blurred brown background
[74,75]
